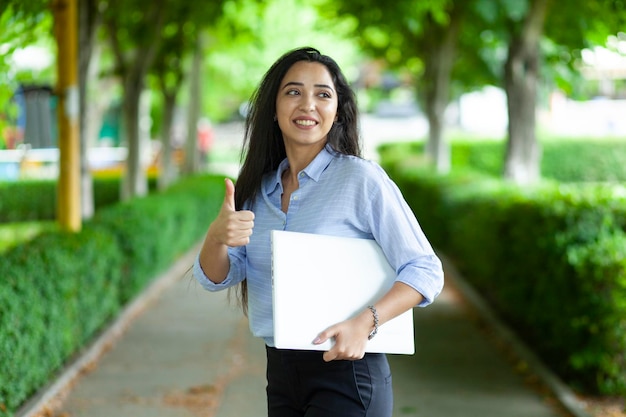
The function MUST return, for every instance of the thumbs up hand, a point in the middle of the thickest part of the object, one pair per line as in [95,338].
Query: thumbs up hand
[231,227]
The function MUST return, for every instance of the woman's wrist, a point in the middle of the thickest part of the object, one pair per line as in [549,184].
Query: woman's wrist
[366,322]
[375,321]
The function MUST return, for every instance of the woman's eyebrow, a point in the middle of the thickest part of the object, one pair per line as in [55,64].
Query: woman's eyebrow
[302,85]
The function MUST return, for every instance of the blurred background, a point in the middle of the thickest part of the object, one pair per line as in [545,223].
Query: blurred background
[503,122]
[167,73]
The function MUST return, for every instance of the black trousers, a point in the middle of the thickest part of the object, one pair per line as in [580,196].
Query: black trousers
[301,384]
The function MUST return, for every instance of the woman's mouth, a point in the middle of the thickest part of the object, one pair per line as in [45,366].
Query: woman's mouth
[305,122]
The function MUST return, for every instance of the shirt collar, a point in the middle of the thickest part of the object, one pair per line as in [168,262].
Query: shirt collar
[319,163]
[274,182]
[314,170]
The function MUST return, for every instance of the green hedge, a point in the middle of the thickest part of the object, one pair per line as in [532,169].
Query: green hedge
[551,260]
[592,160]
[60,289]
[23,201]
[573,160]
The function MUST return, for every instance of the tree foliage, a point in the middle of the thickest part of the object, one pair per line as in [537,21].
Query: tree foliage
[422,37]
[183,36]
[22,23]
[449,47]
[134,31]
[494,38]
[252,34]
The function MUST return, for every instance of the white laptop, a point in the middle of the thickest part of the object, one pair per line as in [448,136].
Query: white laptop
[322,280]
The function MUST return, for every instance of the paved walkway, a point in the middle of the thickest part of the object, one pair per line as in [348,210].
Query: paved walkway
[180,351]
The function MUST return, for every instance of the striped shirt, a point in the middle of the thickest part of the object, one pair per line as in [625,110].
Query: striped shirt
[338,195]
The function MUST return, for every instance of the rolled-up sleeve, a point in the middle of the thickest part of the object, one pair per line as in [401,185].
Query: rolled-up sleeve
[399,234]
[425,276]
[236,272]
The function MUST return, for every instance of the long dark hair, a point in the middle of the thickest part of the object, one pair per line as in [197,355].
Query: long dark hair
[263,147]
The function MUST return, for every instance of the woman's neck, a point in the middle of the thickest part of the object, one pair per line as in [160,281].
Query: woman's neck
[299,158]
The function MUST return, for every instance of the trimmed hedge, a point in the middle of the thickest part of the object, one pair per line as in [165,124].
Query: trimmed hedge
[60,289]
[56,292]
[573,160]
[551,260]
[23,201]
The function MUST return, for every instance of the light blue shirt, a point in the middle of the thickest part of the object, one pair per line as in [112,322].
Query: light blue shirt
[338,195]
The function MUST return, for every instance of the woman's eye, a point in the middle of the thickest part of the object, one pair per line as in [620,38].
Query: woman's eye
[324,94]
[293,92]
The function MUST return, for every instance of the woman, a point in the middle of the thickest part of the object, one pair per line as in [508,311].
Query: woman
[303,172]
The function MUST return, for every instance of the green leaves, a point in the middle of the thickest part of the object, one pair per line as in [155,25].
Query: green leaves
[22,23]
[59,289]
[551,260]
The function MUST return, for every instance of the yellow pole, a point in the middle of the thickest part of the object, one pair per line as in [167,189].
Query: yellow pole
[68,190]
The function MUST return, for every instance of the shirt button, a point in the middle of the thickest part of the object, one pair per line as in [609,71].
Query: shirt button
[295,198]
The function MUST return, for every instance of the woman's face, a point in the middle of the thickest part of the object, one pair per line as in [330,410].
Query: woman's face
[306,104]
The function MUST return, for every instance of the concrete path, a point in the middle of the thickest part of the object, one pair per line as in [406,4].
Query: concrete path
[186,352]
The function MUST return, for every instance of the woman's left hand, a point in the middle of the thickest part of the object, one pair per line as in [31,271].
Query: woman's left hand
[350,338]
[351,335]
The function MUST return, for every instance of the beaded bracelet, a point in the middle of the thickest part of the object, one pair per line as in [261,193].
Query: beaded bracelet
[375,313]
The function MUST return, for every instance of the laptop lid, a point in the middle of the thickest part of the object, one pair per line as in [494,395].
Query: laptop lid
[321,280]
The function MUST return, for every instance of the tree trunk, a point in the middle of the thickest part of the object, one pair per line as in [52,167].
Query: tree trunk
[192,156]
[437,148]
[441,44]
[88,22]
[167,168]
[135,182]
[133,68]
[523,153]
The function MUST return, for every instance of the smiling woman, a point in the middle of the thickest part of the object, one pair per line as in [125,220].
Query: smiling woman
[306,108]
[303,172]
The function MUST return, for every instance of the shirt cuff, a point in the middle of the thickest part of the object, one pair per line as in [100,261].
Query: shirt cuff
[206,283]
[427,280]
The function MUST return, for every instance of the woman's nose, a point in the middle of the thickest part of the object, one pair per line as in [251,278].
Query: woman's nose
[307,103]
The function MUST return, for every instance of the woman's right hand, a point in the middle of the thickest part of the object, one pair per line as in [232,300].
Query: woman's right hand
[231,227]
